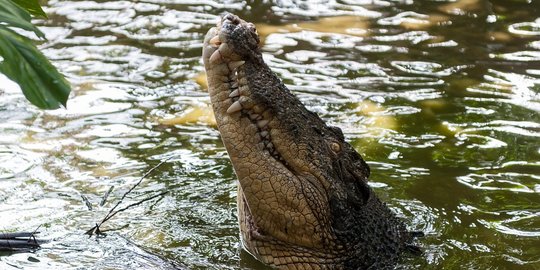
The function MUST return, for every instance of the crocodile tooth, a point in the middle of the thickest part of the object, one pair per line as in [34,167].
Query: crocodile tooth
[264,134]
[225,49]
[234,85]
[215,42]
[216,58]
[234,93]
[270,145]
[236,106]
[232,80]
[262,123]
[253,116]
[241,72]
[234,65]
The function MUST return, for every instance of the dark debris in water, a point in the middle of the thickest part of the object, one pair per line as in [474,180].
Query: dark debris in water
[19,241]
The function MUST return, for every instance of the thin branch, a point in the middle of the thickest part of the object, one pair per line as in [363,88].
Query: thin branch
[133,187]
[106,196]
[96,228]
[112,212]
[133,204]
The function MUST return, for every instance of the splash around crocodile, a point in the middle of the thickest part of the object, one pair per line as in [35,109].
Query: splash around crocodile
[303,197]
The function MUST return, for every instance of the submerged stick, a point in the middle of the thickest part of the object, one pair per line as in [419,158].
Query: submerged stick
[17,244]
[19,241]
[7,236]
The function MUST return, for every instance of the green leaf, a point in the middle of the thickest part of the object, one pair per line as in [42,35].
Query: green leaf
[39,80]
[13,15]
[31,6]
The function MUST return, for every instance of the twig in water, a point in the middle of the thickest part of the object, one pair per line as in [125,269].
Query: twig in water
[132,205]
[87,202]
[96,229]
[106,196]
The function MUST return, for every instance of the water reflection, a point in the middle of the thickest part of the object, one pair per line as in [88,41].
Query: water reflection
[440,97]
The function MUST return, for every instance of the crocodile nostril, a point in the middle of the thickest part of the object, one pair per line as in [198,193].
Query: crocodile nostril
[232,18]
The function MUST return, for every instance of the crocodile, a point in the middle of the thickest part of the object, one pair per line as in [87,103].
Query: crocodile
[303,197]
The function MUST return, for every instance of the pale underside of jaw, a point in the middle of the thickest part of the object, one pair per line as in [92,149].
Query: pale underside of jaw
[223,63]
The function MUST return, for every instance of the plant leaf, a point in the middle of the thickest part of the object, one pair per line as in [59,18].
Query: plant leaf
[39,80]
[31,6]
[13,15]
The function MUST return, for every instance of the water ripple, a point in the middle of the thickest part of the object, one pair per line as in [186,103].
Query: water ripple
[524,128]
[322,8]
[519,224]
[515,182]
[440,98]
[526,28]
[425,68]
[14,161]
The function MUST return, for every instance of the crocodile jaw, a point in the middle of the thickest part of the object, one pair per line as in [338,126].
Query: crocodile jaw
[270,196]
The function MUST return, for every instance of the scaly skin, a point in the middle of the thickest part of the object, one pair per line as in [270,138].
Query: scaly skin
[303,197]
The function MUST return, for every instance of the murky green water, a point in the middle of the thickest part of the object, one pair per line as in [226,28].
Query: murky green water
[442,98]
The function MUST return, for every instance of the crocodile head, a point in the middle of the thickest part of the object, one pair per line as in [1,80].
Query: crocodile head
[303,197]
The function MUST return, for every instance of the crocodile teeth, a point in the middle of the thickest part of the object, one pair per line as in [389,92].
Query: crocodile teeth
[235,107]
[215,57]
[215,42]
[234,93]
[225,49]
[262,123]
[234,65]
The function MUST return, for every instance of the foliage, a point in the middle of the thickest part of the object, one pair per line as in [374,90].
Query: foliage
[22,62]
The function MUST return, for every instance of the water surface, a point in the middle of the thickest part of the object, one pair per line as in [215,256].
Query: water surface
[442,98]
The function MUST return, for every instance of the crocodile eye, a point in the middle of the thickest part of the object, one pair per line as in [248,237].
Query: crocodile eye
[336,147]
[254,35]
[253,28]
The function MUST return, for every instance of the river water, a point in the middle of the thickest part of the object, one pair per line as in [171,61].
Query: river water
[442,98]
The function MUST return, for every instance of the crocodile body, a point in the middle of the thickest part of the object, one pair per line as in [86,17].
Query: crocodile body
[303,197]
